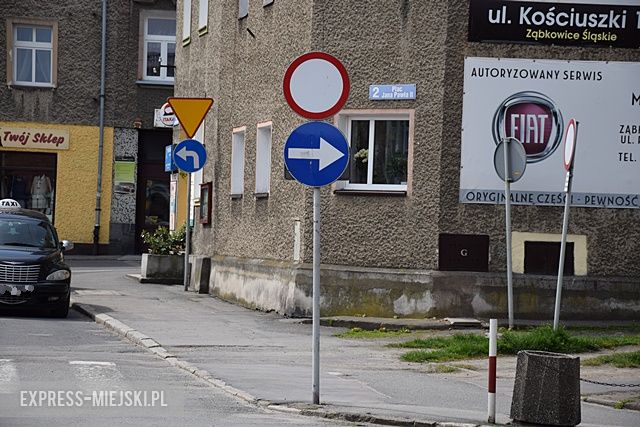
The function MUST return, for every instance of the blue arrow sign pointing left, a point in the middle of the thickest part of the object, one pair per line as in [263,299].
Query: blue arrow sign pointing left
[190,155]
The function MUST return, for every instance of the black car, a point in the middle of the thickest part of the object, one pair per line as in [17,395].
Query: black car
[32,269]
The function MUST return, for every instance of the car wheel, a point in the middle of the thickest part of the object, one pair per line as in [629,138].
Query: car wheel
[62,310]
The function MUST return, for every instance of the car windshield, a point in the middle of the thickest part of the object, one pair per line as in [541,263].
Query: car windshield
[27,233]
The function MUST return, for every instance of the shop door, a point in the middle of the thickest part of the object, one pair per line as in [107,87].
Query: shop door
[152,194]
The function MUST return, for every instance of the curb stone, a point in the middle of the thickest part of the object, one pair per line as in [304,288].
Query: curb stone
[612,403]
[154,347]
[144,341]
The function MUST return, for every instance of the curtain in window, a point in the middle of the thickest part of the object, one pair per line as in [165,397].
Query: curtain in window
[23,65]
[43,66]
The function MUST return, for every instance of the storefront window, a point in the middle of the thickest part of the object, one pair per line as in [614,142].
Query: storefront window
[29,178]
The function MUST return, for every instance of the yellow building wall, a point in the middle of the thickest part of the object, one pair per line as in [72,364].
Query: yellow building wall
[579,249]
[76,180]
[181,215]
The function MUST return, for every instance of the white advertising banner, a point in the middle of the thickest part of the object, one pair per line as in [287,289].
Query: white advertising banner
[533,101]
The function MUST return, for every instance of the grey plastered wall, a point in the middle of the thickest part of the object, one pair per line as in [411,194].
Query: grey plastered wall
[75,100]
[612,234]
[243,75]
[198,69]
[379,41]
[387,42]
[122,229]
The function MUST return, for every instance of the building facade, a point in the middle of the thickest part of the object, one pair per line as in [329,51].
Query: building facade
[416,226]
[50,116]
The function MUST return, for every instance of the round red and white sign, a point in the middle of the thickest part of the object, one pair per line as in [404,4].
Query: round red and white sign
[569,144]
[316,85]
[168,117]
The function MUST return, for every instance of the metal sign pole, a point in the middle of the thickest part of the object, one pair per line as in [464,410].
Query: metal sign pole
[563,242]
[507,204]
[187,236]
[316,296]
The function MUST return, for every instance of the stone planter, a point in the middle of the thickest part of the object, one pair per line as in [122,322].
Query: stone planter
[164,269]
[547,389]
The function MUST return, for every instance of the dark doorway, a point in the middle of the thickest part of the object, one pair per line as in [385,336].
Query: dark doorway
[543,257]
[152,196]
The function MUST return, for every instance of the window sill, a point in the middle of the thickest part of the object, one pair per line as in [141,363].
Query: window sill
[156,83]
[380,193]
[202,31]
[236,196]
[261,195]
[29,86]
[185,42]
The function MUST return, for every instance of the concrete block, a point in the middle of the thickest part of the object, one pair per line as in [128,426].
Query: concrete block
[200,273]
[167,267]
[547,389]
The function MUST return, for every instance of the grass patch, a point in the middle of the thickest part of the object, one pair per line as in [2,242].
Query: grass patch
[468,346]
[620,403]
[619,360]
[465,366]
[625,329]
[444,349]
[445,369]
[360,333]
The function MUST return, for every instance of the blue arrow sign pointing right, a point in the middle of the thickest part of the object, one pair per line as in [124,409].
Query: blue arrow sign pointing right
[316,154]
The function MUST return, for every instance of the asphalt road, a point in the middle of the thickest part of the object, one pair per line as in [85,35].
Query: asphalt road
[74,355]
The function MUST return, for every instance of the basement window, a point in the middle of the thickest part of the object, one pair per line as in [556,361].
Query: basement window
[543,258]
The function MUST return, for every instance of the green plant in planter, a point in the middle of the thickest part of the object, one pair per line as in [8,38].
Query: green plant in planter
[164,242]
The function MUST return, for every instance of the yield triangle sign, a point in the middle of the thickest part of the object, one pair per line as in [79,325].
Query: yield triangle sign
[190,112]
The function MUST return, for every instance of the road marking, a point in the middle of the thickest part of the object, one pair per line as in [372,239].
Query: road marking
[90,362]
[8,376]
[99,375]
[96,292]
[40,335]
[98,271]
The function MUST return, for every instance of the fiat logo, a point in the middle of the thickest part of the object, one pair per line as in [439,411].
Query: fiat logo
[533,119]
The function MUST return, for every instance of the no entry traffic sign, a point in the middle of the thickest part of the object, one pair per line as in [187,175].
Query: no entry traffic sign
[316,85]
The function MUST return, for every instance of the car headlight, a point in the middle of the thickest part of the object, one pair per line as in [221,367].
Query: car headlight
[59,275]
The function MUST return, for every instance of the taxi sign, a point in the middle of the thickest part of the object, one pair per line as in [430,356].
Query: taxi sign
[190,112]
[9,203]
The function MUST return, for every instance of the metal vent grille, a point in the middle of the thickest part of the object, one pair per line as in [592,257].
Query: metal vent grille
[19,273]
[7,298]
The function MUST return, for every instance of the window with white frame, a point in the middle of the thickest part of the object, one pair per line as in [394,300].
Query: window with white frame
[203,16]
[237,162]
[159,46]
[186,21]
[33,53]
[379,151]
[263,158]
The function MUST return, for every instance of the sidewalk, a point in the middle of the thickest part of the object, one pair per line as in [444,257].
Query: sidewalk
[266,359]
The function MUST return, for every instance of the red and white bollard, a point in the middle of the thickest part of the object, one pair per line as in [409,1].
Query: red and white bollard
[493,347]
